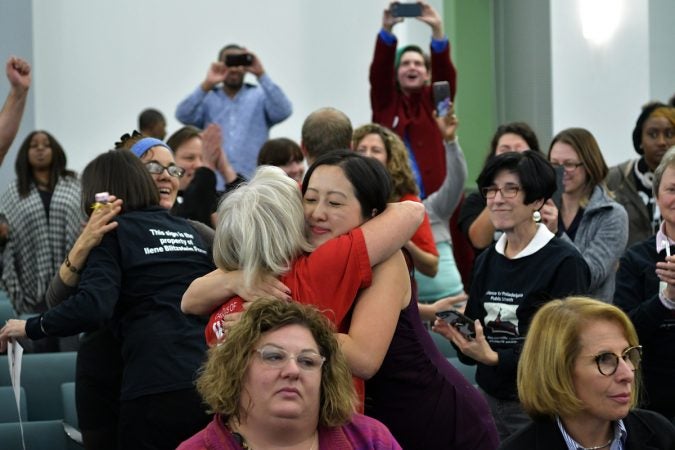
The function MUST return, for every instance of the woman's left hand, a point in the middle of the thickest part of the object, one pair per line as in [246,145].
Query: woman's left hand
[13,328]
[477,348]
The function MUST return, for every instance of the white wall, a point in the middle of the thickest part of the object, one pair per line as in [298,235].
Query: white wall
[601,87]
[98,64]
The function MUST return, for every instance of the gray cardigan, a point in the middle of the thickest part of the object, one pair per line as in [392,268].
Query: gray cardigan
[601,239]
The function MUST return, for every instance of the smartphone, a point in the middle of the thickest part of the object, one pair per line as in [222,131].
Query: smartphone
[463,324]
[240,59]
[557,195]
[406,9]
[441,92]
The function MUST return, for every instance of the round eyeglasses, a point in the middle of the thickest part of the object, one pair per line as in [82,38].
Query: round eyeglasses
[608,362]
[278,357]
[156,168]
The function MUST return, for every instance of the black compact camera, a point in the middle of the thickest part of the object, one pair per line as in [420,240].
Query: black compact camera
[240,59]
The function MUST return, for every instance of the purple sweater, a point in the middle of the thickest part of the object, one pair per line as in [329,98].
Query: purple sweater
[361,433]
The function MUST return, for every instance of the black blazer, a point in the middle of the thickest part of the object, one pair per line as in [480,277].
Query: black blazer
[647,430]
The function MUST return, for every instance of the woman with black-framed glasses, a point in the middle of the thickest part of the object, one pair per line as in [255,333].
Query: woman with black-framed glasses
[588,216]
[524,269]
[578,379]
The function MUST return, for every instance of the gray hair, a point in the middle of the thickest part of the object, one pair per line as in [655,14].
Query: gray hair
[261,226]
[668,160]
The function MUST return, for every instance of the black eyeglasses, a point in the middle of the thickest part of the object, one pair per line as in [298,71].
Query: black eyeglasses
[278,357]
[508,191]
[156,168]
[608,362]
[568,165]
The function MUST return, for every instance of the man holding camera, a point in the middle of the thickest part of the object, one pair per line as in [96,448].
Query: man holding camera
[400,93]
[245,112]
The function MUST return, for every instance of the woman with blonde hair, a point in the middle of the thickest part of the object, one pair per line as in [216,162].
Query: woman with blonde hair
[578,378]
[281,380]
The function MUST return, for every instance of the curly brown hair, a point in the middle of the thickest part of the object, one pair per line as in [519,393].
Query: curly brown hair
[221,380]
[398,162]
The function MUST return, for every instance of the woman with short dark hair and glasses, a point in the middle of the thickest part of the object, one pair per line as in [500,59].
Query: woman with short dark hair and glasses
[579,378]
[588,216]
[524,269]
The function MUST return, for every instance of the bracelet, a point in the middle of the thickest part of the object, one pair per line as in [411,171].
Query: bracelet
[42,326]
[71,267]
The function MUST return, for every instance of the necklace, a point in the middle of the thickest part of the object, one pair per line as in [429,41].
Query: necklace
[598,447]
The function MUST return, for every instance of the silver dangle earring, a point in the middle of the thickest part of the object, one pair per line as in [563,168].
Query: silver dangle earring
[536,216]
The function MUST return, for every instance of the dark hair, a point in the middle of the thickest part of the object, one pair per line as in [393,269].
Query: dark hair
[412,48]
[149,117]
[182,135]
[121,173]
[221,56]
[518,128]
[647,111]
[537,176]
[369,177]
[279,152]
[325,130]
[24,171]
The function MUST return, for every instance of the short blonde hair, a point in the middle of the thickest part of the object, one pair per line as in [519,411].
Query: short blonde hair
[221,380]
[545,369]
[398,161]
[261,226]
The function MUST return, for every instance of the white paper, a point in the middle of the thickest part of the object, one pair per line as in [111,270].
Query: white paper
[14,358]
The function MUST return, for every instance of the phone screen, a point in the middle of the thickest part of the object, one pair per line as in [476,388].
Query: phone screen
[406,9]
[442,102]
[458,320]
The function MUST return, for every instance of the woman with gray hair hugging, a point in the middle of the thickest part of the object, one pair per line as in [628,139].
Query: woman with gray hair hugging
[578,379]
[280,380]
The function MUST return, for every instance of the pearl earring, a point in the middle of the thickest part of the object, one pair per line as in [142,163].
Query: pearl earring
[536,216]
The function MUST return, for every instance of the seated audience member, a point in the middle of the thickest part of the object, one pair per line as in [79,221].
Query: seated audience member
[133,281]
[523,270]
[413,377]
[401,94]
[377,142]
[245,112]
[323,131]
[42,208]
[280,380]
[19,77]
[474,219]
[151,123]
[283,153]
[588,217]
[631,181]
[578,379]
[645,290]
[199,153]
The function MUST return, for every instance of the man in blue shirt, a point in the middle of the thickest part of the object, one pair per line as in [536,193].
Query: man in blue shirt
[245,112]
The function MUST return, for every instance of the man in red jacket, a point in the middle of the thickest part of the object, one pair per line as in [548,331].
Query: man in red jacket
[401,97]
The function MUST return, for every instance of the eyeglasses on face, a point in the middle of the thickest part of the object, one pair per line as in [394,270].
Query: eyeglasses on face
[156,168]
[608,362]
[507,191]
[567,165]
[278,357]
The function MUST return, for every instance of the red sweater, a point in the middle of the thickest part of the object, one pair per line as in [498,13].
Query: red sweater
[411,116]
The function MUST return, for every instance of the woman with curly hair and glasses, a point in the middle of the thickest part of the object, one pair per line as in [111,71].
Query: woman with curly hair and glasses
[281,380]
